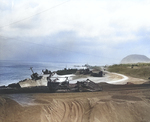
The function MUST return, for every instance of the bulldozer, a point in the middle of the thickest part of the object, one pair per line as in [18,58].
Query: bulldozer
[80,86]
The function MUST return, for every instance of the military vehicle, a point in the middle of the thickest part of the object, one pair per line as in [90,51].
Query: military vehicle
[80,86]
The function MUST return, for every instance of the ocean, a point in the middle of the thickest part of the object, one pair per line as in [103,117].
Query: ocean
[15,71]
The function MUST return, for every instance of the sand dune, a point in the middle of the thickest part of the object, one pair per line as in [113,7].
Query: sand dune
[127,105]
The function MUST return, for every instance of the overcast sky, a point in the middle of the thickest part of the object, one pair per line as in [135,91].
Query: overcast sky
[83,31]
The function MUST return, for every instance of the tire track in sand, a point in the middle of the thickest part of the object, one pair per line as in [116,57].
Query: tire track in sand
[63,111]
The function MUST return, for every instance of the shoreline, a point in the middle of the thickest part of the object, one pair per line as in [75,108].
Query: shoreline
[40,86]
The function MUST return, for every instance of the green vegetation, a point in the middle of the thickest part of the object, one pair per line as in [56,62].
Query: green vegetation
[139,70]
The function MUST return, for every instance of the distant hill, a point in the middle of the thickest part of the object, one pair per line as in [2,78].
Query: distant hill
[135,58]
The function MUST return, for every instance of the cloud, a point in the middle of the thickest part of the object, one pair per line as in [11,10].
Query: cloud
[90,27]
[87,18]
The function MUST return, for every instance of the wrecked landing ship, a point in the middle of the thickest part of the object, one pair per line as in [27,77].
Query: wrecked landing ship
[54,84]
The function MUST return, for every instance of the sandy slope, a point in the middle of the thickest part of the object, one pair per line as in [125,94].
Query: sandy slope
[127,105]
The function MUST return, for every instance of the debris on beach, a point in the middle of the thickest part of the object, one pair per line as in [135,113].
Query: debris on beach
[35,76]
[58,81]
[46,71]
[82,86]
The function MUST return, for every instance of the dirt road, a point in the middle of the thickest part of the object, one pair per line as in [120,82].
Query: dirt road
[112,78]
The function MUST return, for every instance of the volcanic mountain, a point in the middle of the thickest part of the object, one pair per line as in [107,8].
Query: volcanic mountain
[135,58]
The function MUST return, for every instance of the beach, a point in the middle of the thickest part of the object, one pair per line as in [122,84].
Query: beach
[115,103]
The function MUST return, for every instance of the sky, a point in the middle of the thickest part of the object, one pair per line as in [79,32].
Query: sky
[80,31]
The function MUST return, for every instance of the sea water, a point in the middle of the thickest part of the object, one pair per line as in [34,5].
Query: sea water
[15,71]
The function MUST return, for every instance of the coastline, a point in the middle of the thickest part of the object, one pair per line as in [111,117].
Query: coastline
[40,86]
[117,101]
